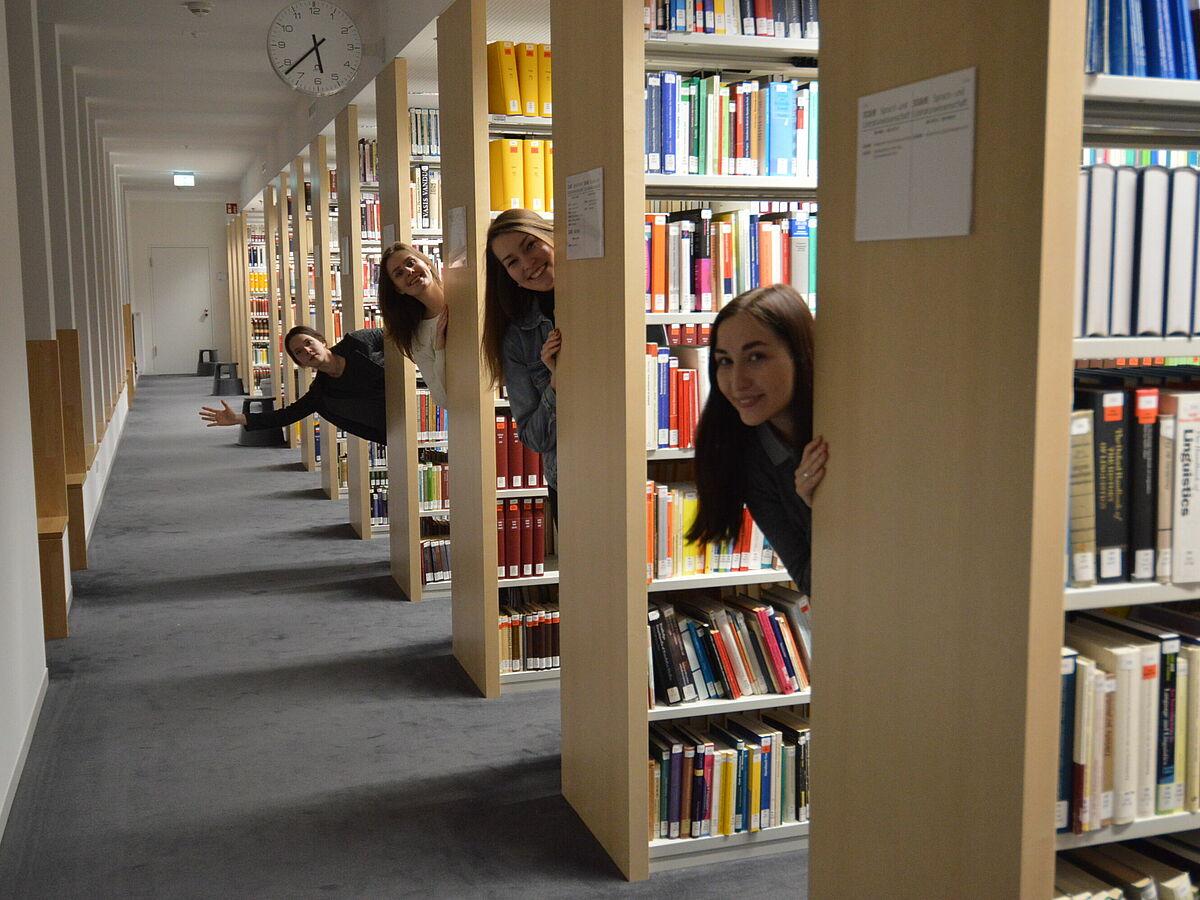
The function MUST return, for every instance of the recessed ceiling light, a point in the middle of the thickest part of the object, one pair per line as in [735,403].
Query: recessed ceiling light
[185,179]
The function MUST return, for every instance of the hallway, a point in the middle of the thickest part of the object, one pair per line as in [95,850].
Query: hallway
[246,710]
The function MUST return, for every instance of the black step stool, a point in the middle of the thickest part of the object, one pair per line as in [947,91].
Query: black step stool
[260,437]
[225,380]
[204,365]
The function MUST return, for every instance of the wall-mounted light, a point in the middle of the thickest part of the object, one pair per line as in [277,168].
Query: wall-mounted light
[185,179]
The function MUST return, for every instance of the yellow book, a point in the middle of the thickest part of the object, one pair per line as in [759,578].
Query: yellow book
[534,157]
[549,165]
[507,173]
[504,93]
[693,555]
[755,810]
[543,79]
[527,78]
[719,9]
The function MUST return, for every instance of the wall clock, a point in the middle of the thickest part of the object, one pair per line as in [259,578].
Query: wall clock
[314,47]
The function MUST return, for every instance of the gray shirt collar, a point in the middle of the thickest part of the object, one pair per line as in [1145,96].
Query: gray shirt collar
[776,450]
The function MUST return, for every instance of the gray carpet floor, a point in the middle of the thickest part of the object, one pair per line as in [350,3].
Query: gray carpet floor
[246,710]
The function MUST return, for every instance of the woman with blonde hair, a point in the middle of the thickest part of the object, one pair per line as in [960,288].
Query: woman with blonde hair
[520,342]
[415,313]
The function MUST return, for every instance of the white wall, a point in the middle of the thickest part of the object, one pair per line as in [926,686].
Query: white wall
[167,220]
[22,649]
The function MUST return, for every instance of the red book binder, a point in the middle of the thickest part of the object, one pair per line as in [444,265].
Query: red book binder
[501,541]
[501,452]
[539,537]
[529,466]
[512,550]
[526,538]
[516,456]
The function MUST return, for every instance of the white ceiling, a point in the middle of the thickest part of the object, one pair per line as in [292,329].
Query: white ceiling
[170,90]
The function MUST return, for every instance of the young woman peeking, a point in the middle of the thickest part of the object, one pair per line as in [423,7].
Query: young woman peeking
[754,442]
[415,313]
[347,390]
[520,342]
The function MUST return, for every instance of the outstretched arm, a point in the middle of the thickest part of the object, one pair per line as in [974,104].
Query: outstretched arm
[224,416]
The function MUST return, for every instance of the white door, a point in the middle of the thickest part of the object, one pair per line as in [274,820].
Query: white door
[181,284]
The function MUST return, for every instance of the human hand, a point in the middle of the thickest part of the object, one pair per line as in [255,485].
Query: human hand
[439,341]
[549,355]
[224,416]
[811,470]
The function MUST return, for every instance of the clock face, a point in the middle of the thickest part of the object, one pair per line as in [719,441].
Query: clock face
[314,47]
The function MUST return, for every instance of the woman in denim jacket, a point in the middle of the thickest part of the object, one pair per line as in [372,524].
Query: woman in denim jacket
[520,342]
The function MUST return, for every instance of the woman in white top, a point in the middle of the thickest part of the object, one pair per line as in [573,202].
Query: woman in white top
[415,313]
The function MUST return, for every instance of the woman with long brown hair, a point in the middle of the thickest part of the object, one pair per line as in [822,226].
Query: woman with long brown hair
[415,313]
[754,443]
[520,342]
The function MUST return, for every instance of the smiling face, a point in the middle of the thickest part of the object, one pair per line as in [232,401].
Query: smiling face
[528,260]
[755,372]
[308,351]
[409,273]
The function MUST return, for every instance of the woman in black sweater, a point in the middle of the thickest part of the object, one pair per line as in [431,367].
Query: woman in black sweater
[347,391]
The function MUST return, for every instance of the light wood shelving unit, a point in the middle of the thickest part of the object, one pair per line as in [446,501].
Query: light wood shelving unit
[601,434]
[404,521]
[301,251]
[285,386]
[350,250]
[271,229]
[318,164]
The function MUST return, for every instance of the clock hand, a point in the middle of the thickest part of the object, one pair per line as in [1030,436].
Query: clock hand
[315,45]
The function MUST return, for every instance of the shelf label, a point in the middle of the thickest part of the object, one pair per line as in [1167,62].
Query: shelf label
[585,215]
[916,158]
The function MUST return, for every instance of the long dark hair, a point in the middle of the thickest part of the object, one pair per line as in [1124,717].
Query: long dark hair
[305,330]
[503,299]
[402,313]
[721,438]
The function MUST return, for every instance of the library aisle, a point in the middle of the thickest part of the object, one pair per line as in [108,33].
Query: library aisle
[244,709]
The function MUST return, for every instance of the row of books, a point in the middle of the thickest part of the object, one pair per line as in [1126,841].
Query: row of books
[670,511]
[370,217]
[529,639]
[257,281]
[689,335]
[433,486]
[1158,868]
[260,329]
[698,260]
[791,19]
[521,174]
[722,648]
[675,396]
[519,79]
[1133,451]
[741,773]
[432,420]
[260,356]
[368,161]
[1124,156]
[435,560]
[425,132]
[256,254]
[377,494]
[520,537]
[1137,253]
[702,125]
[517,466]
[1130,732]
[1146,38]
[425,195]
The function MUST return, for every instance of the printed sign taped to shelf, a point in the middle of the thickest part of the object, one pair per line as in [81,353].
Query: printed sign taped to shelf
[585,215]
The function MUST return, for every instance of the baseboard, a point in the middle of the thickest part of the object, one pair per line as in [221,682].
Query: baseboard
[11,793]
[96,483]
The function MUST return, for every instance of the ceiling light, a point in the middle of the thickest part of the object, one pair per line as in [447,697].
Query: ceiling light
[185,179]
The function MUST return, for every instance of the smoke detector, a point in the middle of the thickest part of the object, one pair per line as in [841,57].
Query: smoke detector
[199,8]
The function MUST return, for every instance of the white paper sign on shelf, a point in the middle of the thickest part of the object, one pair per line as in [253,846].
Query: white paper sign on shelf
[916,160]
[585,215]
[389,235]
[456,237]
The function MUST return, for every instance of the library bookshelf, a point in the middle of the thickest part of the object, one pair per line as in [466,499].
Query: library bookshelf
[603,462]
[1136,112]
